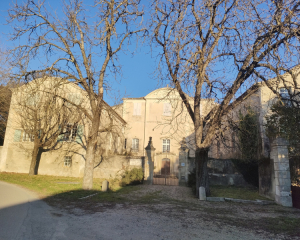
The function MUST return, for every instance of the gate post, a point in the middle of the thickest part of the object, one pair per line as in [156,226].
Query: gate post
[183,161]
[279,153]
[149,162]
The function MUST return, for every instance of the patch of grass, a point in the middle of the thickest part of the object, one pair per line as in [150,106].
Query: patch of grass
[236,192]
[281,224]
[150,198]
[56,187]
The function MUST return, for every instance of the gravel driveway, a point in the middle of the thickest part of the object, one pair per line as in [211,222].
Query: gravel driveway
[165,212]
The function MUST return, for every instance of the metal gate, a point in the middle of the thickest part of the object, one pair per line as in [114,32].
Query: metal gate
[165,180]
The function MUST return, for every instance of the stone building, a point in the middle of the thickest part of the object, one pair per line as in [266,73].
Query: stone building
[160,115]
[67,158]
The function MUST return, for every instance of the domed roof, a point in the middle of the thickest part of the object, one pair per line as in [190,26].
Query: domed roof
[163,93]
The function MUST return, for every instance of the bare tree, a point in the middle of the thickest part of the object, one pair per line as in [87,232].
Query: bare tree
[43,118]
[216,49]
[80,44]
[5,95]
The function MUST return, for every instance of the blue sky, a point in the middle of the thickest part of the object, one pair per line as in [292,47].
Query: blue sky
[137,80]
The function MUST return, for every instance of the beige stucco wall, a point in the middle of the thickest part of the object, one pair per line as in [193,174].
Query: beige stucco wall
[153,122]
[16,156]
[260,102]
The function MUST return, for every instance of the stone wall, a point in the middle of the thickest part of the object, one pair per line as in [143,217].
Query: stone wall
[114,166]
[275,177]
[279,154]
[266,178]
[223,172]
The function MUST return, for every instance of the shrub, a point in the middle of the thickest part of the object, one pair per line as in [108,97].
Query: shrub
[132,177]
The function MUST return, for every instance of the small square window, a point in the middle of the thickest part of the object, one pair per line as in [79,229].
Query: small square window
[68,161]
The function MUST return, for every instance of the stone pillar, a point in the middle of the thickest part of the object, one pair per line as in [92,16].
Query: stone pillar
[149,162]
[183,161]
[279,154]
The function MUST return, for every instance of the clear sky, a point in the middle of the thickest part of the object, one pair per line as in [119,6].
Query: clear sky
[137,79]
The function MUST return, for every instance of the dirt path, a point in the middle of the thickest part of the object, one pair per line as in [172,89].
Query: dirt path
[162,212]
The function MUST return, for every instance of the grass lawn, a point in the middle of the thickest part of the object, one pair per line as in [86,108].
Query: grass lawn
[236,192]
[69,188]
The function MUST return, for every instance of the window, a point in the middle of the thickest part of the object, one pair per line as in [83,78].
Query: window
[167,109]
[27,137]
[284,93]
[68,161]
[125,143]
[166,145]
[135,144]
[71,132]
[136,109]
[17,136]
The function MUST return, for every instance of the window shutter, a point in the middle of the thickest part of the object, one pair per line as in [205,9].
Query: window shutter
[17,137]
[60,136]
[79,134]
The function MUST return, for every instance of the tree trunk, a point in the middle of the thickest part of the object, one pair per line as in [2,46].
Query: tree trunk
[35,160]
[201,158]
[90,153]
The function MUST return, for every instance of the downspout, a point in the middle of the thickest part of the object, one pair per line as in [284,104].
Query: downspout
[145,127]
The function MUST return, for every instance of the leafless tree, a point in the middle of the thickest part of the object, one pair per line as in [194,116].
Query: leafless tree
[5,93]
[217,48]
[78,43]
[43,118]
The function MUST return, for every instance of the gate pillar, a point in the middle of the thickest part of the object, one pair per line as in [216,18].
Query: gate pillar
[279,153]
[183,161]
[149,162]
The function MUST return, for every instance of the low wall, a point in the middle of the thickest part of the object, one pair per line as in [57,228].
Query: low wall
[227,179]
[114,166]
[223,172]
[267,178]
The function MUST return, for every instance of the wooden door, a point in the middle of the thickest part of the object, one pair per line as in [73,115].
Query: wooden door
[165,167]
